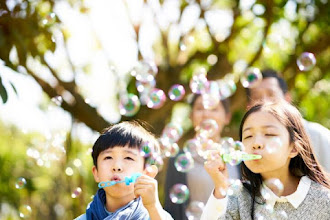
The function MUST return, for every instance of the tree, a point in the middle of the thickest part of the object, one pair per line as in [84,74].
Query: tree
[225,35]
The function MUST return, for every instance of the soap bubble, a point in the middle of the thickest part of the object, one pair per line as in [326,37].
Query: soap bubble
[20,183]
[176,92]
[25,211]
[172,132]
[227,145]
[168,148]
[207,128]
[145,71]
[199,84]
[306,61]
[49,19]
[194,210]
[157,160]
[184,162]
[251,77]
[157,98]
[76,192]
[145,86]
[191,146]
[275,185]
[179,193]
[146,149]
[129,105]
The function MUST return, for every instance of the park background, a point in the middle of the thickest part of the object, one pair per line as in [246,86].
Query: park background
[65,65]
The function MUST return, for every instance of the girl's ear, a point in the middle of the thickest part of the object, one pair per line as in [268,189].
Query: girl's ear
[95,174]
[294,151]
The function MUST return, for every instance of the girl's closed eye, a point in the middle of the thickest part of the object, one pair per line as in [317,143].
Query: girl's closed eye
[247,137]
[270,135]
[107,158]
[129,158]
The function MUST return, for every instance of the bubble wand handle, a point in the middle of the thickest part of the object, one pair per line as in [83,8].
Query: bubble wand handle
[128,180]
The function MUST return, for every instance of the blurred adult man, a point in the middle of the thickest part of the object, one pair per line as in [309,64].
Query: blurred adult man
[273,86]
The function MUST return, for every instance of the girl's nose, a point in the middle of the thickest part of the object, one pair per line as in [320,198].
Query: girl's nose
[257,146]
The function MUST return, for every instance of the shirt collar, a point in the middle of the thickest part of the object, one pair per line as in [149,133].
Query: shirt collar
[295,198]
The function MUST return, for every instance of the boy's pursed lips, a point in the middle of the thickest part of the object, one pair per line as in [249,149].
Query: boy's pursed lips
[115,178]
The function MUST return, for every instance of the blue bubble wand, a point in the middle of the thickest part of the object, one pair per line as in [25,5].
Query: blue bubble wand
[128,180]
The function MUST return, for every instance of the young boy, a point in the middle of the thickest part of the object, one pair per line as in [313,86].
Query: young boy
[116,155]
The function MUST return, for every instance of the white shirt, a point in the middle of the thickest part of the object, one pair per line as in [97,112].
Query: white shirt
[216,208]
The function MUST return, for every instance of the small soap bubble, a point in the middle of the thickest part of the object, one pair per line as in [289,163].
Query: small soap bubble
[145,71]
[251,77]
[227,145]
[275,185]
[145,86]
[76,192]
[172,132]
[146,149]
[235,158]
[191,146]
[179,193]
[57,100]
[273,145]
[157,160]
[176,92]
[199,84]
[20,183]
[168,149]
[238,145]
[226,88]
[205,146]
[157,98]
[210,101]
[306,61]
[207,128]
[129,105]
[184,162]
[25,211]
[194,210]
[49,19]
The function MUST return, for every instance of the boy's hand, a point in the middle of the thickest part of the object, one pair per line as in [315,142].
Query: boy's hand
[216,168]
[147,187]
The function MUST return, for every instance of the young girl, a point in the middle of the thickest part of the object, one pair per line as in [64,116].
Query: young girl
[274,131]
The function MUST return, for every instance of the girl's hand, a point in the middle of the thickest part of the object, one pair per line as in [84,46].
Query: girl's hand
[216,168]
[147,187]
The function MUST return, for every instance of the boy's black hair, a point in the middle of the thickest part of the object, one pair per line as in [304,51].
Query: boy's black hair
[268,73]
[128,133]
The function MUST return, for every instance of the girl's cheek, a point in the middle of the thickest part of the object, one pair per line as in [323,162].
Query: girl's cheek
[273,145]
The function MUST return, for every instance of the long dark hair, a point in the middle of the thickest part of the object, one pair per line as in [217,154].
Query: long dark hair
[304,164]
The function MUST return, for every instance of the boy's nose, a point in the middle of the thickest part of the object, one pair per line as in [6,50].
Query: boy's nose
[116,169]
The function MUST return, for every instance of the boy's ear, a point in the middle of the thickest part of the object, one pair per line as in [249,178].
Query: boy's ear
[95,174]
[151,171]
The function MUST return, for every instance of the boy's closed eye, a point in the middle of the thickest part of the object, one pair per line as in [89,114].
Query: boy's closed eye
[129,158]
[107,158]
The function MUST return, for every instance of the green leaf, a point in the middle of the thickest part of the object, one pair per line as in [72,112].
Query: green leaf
[3,92]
